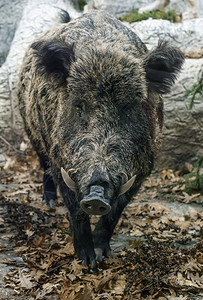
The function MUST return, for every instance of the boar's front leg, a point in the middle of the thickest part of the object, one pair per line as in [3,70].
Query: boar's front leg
[105,227]
[80,227]
[50,193]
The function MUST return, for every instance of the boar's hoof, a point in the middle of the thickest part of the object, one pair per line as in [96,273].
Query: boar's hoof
[49,199]
[88,258]
[103,251]
[95,203]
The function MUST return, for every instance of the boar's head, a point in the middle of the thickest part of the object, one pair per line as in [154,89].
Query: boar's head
[110,116]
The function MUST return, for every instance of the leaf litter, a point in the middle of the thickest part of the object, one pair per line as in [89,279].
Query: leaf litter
[160,254]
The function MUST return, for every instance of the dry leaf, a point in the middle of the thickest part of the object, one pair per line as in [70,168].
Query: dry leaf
[25,281]
[67,250]
[106,278]
[76,267]
[82,293]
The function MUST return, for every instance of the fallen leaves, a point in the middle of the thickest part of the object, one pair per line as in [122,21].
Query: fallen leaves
[176,269]
[25,281]
[163,259]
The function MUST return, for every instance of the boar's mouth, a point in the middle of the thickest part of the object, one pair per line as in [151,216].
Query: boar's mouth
[94,203]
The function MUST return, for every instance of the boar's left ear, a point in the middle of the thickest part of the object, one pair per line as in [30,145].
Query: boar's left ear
[162,66]
[54,55]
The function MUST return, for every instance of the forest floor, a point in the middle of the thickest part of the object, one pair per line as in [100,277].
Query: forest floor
[157,245]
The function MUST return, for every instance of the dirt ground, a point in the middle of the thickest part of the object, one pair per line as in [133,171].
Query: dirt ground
[157,245]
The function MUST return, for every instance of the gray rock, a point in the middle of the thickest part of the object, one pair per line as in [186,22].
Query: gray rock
[37,16]
[120,7]
[10,15]
[187,35]
[183,128]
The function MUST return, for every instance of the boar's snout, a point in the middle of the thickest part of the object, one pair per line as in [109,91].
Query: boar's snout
[95,203]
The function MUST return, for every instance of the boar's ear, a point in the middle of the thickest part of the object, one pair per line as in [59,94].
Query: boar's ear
[55,56]
[162,66]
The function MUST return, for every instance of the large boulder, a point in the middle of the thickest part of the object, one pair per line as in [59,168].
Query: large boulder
[120,7]
[187,35]
[183,128]
[10,15]
[35,17]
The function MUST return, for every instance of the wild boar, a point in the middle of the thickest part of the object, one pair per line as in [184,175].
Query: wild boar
[90,95]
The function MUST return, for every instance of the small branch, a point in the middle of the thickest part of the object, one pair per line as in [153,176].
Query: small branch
[7,143]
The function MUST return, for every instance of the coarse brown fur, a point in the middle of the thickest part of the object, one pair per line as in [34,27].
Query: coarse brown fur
[98,111]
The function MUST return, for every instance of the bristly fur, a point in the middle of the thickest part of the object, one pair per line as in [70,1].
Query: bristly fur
[65,17]
[53,56]
[162,67]
[90,97]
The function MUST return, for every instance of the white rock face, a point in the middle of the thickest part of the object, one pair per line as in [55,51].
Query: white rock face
[36,17]
[187,35]
[10,15]
[120,7]
[190,11]
[183,128]
[155,5]
[117,8]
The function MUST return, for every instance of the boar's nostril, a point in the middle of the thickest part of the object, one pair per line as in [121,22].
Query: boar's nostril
[102,209]
[88,206]
[95,206]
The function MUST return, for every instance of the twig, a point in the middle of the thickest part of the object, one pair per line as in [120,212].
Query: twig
[7,143]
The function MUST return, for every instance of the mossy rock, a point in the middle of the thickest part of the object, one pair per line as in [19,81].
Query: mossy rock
[193,182]
[197,88]
[134,16]
[81,4]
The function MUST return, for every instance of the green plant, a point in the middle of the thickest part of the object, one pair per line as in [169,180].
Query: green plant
[194,180]
[81,4]
[134,16]
[197,88]
[66,231]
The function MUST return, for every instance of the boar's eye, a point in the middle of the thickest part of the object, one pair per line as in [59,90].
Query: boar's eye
[79,108]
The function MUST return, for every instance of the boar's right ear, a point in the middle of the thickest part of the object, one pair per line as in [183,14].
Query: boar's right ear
[54,56]
[162,66]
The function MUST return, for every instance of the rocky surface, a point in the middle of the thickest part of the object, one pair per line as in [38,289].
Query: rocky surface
[183,128]
[187,35]
[10,15]
[36,17]
[120,7]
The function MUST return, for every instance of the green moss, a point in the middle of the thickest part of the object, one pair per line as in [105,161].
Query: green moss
[194,180]
[66,231]
[187,218]
[197,88]
[81,4]
[134,16]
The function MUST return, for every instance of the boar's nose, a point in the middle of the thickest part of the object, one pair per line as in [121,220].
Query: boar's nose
[95,203]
